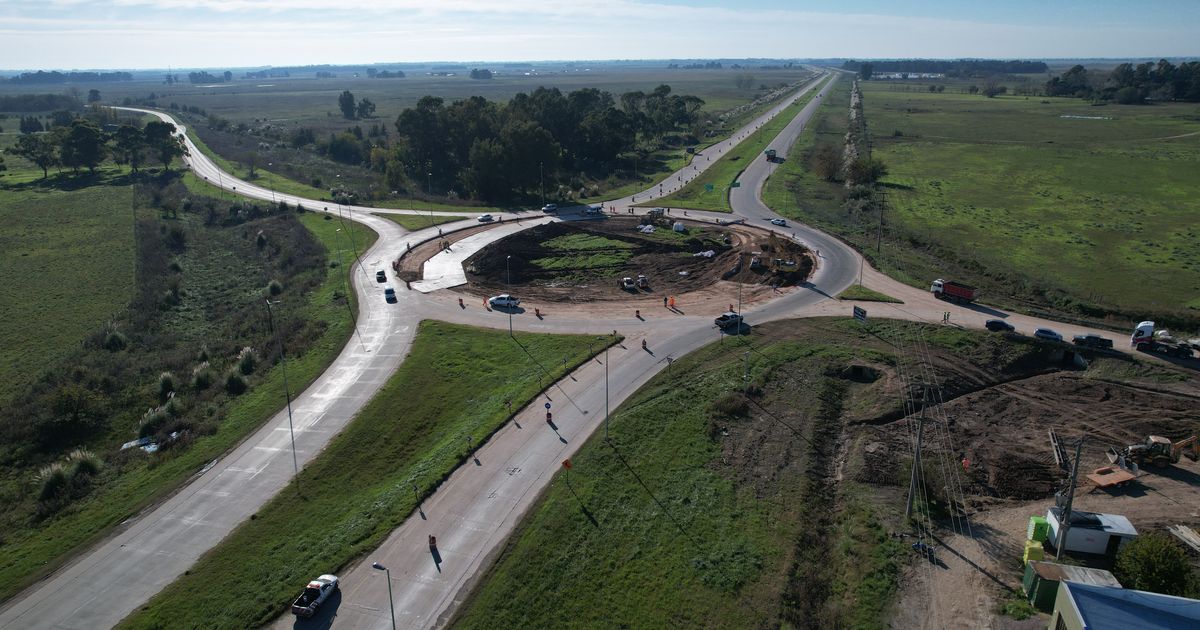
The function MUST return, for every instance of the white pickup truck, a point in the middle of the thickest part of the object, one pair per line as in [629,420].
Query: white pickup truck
[314,595]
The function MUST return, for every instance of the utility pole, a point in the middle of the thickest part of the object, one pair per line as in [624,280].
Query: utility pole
[542,182]
[882,207]
[287,396]
[916,468]
[1065,522]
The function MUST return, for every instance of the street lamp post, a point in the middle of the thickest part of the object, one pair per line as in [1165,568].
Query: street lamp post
[391,604]
[287,394]
[508,275]
[606,391]
[542,182]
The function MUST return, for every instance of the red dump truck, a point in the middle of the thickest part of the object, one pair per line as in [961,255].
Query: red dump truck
[953,291]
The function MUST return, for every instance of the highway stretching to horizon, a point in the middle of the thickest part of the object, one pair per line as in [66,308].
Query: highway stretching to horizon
[477,508]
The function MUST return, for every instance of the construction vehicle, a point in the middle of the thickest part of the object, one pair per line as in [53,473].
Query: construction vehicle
[771,155]
[953,291]
[628,284]
[642,282]
[1157,450]
[1146,339]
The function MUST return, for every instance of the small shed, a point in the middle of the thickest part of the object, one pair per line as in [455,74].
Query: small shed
[1093,607]
[1092,532]
[1042,579]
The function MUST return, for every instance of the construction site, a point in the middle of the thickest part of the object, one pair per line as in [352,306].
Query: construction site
[626,258]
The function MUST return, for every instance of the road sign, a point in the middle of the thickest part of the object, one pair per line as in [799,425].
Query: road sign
[860,313]
[567,464]
[736,185]
[547,405]
[708,188]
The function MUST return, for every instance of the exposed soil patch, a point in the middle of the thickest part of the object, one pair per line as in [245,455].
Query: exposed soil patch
[585,261]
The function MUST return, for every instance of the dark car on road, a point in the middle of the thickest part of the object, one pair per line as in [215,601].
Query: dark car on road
[1092,341]
[998,325]
[380,276]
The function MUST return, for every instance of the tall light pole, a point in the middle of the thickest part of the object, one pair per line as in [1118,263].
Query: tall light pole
[606,391]
[542,182]
[508,275]
[287,394]
[391,604]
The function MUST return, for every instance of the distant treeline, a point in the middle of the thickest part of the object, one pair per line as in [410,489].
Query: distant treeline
[956,68]
[38,102]
[385,74]
[503,151]
[1129,84]
[42,77]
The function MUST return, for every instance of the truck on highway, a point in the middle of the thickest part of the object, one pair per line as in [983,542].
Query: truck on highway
[728,320]
[771,155]
[953,291]
[1146,339]
[315,594]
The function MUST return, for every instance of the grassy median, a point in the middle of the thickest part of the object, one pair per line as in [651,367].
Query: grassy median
[453,384]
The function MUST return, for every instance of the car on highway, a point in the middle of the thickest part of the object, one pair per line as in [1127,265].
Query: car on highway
[1046,334]
[1092,341]
[550,208]
[503,300]
[380,276]
[485,218]
[779,222]
[389,294]
[656,212]
[315,594]
[998,325]
[593,210]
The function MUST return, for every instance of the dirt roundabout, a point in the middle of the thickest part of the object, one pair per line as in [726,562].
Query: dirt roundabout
[585,261]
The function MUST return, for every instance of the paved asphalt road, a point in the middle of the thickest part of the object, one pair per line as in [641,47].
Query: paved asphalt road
[478,506]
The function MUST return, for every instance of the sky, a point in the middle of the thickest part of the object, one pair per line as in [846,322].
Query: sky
[129,34]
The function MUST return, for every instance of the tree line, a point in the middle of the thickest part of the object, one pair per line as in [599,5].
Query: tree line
[39,102]
[500,151]
[950,68]
[1129,84]
[83,144]
[42,77]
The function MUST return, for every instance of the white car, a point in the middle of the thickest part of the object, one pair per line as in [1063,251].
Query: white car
[550,207]
[503,301]
[779,222]
[485,218]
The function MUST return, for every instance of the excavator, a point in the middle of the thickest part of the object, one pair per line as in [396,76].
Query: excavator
[1157,450]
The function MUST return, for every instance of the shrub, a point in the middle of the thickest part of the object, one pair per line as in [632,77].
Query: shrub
[202,356]
[260,240]
[1153,562]
[247,361]
[53,480]
[731,404]
[84,463]
[275,288]
[114,341]
[202,377]
[152,421]
[175,266]
[166,385]
[235,383]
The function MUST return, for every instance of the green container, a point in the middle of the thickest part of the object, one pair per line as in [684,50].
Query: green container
[1039,529]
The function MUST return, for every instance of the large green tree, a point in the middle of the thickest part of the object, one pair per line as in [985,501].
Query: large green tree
[83,146]
[161,138]
[347,104]
[39,149]
[1154,562]
[129,147]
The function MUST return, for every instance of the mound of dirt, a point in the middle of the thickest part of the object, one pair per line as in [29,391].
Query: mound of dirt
[527,263]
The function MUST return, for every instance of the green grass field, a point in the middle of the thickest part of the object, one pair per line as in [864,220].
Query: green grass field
[673,524]
[1044,203]
[68,266]
[360,487]
[1102,209]
[720,175]
[583,252]
[40,546]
